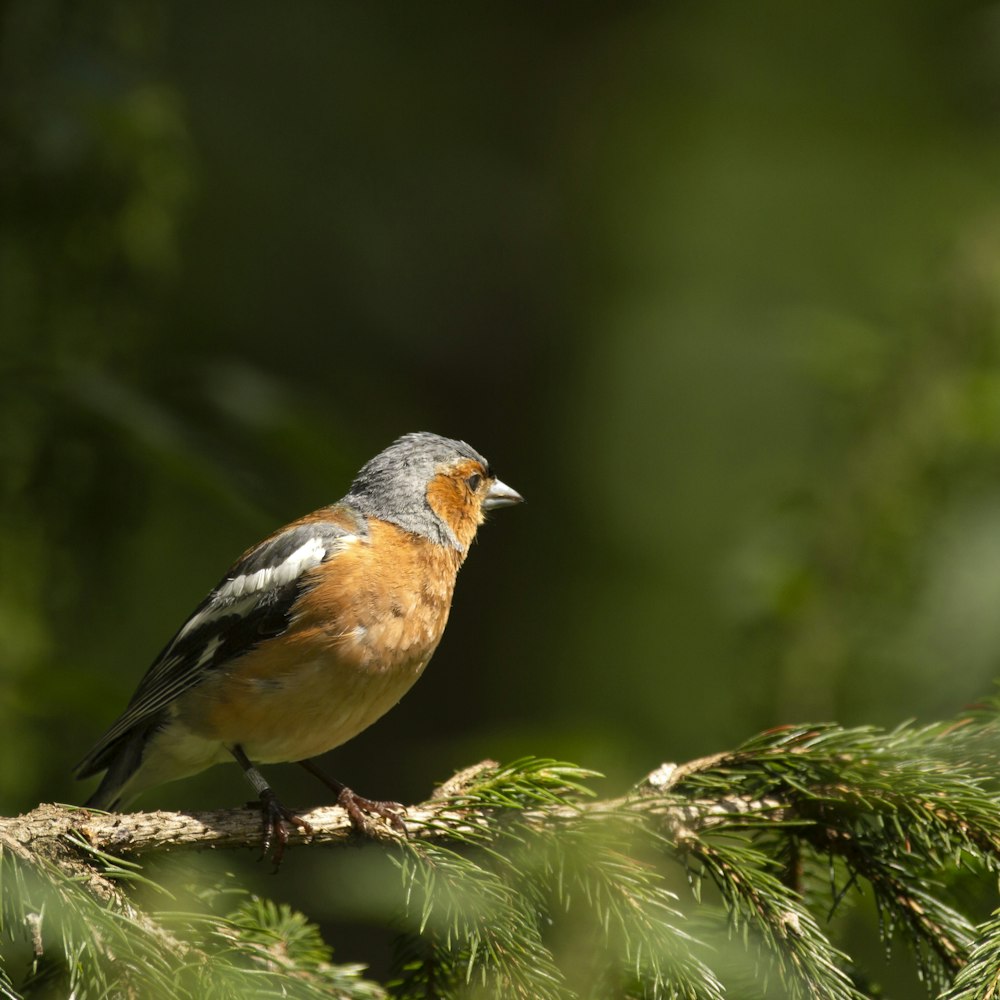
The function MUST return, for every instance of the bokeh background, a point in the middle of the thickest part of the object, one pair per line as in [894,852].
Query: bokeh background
[715,286]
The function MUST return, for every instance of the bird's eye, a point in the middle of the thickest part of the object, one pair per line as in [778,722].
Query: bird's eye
[474,481]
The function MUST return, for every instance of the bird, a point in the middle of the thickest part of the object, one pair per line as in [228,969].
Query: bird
[311,636]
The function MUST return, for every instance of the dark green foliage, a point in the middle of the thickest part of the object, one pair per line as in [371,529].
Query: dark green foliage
[716,285]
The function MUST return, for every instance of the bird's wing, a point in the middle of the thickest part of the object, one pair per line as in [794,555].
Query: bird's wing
[251,603]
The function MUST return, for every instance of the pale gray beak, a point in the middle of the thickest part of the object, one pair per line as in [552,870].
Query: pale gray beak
[501,495]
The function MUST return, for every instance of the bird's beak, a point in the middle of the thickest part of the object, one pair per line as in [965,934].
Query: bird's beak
[501,495]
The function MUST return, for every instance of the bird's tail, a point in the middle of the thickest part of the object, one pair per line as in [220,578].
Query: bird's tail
[107,795]
[119,761]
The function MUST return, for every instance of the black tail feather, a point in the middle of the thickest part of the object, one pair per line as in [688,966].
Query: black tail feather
[121,760]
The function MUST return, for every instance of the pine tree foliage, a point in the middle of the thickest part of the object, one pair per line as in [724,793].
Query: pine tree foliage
[890,810]
[85,946]
[517,882]
[502,895]
[980,979]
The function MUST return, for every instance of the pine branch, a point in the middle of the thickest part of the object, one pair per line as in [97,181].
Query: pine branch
[500,855]
[980,979]
[54,831]
[94,941]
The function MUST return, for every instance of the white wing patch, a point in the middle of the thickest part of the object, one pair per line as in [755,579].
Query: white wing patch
[209,651]
[306,556]
[242,592]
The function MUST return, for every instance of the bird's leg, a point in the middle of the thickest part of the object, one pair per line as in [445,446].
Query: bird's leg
[356,806]
[273,813]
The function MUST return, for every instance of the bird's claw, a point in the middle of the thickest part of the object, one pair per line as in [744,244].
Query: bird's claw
[275,822]
[361,810]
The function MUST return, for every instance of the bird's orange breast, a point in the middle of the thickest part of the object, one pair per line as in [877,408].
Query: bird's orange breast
[360,635]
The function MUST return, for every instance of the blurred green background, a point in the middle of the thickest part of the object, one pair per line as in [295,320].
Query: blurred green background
[715,286]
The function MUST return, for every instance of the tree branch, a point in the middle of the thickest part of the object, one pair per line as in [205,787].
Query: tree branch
[54,832]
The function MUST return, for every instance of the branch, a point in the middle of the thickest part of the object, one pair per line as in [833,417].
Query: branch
[55,832]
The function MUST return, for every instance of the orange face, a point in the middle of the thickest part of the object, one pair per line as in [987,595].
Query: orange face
[456,495]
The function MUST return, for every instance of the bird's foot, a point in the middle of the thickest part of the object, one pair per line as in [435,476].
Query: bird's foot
[276,820]
[361,810]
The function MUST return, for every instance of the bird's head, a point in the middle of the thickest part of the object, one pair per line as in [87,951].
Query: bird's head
[432,486]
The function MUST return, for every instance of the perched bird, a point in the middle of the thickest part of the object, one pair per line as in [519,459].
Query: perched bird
[311,636]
